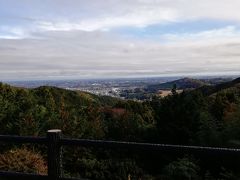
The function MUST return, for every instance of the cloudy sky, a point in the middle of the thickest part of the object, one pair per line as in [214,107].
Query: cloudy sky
[64,39]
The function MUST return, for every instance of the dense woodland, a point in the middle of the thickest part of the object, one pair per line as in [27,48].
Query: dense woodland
[206,116]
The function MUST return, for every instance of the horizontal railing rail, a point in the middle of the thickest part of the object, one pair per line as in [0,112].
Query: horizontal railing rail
[54,142]
[111,144]
[143,146]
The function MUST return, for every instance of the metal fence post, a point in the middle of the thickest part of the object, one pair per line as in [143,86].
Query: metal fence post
[54,154]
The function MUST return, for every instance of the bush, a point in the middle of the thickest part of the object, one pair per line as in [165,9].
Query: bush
[23,160]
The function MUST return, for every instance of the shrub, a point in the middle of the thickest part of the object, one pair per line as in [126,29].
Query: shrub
[23,160]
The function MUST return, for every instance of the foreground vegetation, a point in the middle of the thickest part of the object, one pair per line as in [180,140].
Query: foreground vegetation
[207,116]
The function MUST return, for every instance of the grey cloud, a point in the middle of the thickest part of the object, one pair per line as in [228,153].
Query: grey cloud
[98,54]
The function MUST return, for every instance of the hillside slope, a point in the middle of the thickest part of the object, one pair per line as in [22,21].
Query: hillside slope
[185,83]
[209,90]
[78,114]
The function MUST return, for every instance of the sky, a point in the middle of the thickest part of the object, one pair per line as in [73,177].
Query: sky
[79,39]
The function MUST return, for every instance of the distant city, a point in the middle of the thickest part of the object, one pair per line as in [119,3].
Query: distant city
[106,87]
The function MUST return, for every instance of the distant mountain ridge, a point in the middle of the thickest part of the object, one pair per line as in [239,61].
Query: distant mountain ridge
[208,90]
[184,83]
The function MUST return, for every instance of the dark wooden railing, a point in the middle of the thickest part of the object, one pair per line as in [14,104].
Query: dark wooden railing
[54,142]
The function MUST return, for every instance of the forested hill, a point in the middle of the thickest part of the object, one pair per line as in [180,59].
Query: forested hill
[206,116]
[185,83]
[208,90]
[78,114]
[33,111]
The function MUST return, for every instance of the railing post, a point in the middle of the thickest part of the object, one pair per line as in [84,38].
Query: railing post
[54,154]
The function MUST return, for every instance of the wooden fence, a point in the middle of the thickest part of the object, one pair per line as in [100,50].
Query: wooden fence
[55,142]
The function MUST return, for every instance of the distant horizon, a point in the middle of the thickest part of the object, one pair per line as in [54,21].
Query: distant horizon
[126,78]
